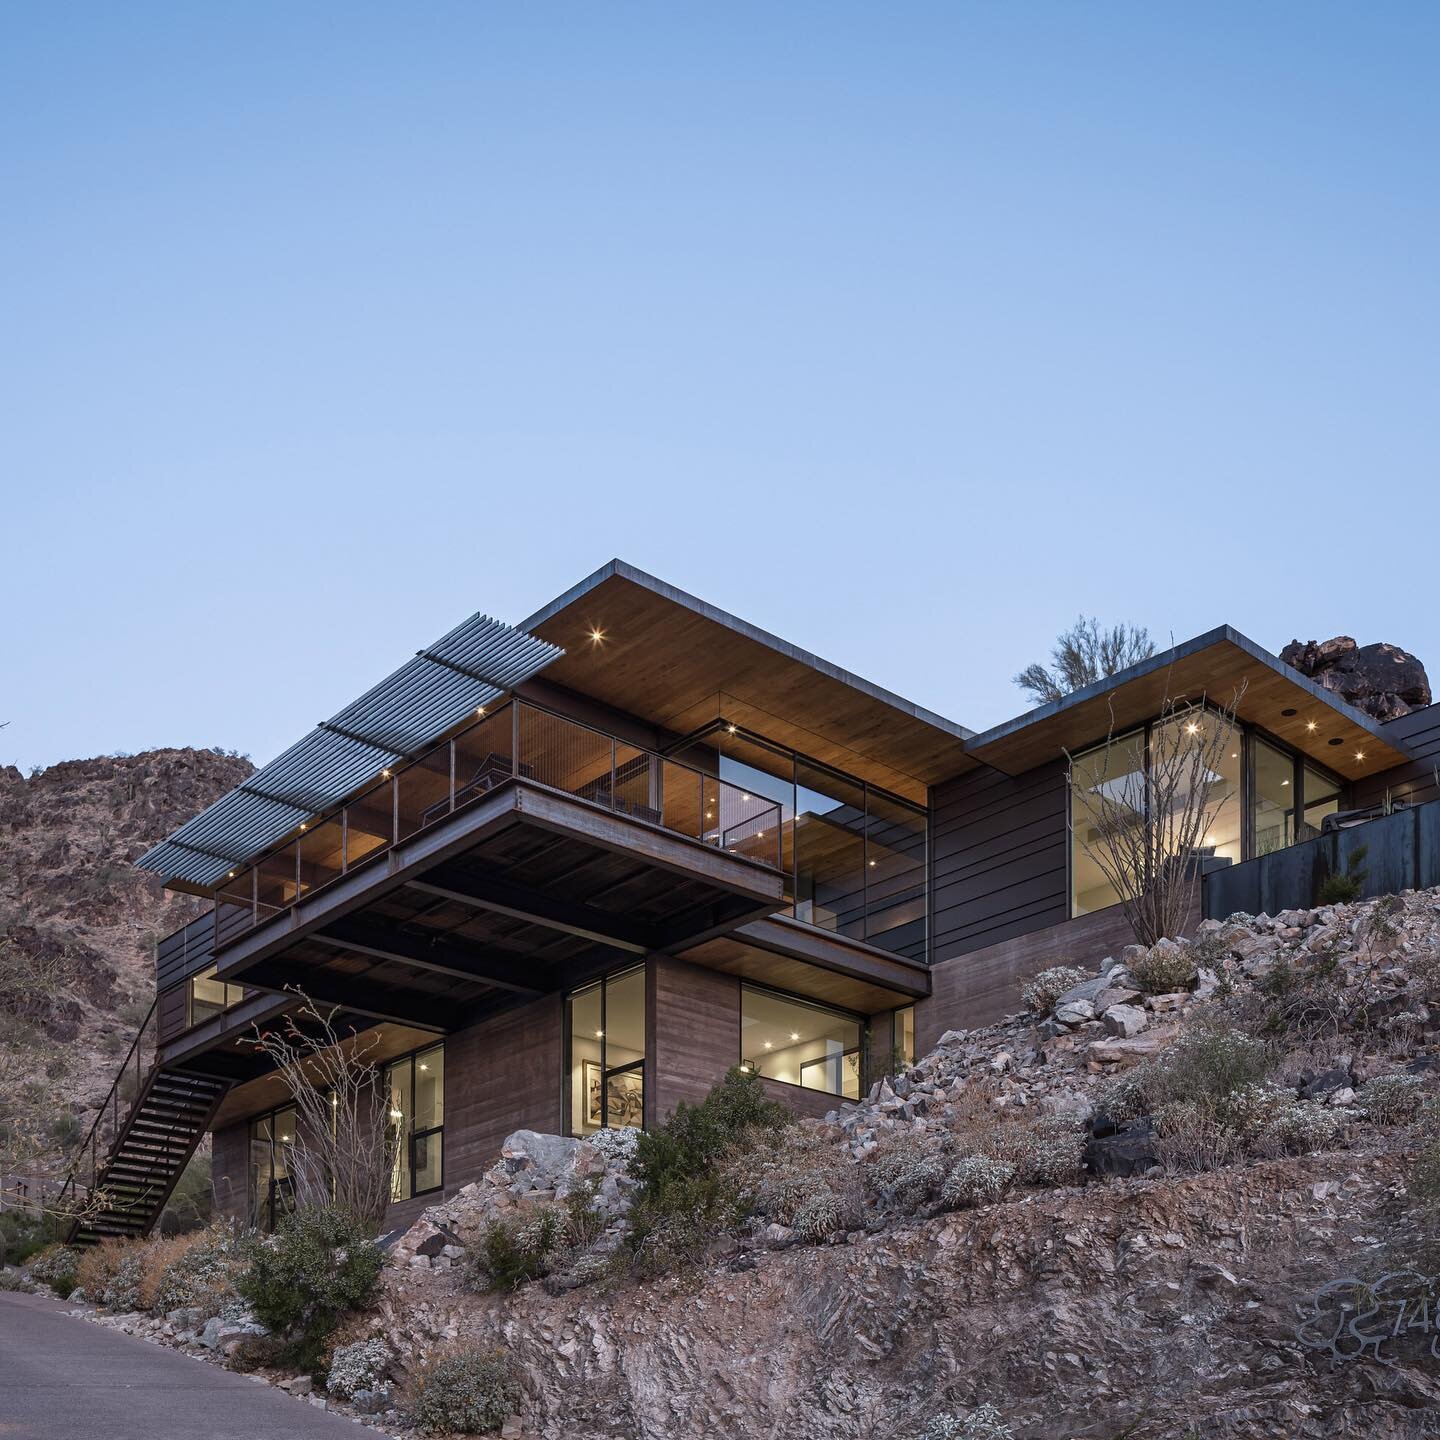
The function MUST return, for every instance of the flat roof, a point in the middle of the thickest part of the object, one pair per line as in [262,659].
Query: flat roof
[1216,665]
[678,662]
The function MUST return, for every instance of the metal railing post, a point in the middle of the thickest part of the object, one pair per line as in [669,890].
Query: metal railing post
[514,738]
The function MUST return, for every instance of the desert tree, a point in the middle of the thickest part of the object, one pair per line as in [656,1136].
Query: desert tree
[1082,655]
[346,1140]
[1143,807]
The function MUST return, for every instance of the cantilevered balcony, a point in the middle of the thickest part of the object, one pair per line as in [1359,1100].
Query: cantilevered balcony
[523,851]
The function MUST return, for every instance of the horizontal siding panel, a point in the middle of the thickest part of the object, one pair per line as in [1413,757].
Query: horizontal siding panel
[999,857]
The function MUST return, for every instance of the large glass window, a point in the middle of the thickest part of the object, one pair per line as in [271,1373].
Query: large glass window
[208,996]
[416,1090]
[853,856]
[1113,772]
[272,1187]
[1281,791]
[605,1066]
[1272,798]
[799,1043]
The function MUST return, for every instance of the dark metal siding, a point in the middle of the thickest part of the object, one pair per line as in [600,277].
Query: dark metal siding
[1402,851]
[1000,863]
[186,952]
[1420,730]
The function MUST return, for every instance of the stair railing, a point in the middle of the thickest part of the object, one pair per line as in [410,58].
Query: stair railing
[89,1155]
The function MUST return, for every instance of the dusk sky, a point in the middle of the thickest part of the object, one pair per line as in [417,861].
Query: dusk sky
[907,332]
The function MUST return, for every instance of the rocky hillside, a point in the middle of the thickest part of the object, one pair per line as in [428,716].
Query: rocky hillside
[77,920]
[1112,1214]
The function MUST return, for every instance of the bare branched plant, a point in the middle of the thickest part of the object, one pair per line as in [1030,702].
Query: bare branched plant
[345,1144]
[1144,813]
[1082,655]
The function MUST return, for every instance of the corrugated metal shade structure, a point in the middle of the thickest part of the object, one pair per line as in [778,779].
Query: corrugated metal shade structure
[474,665]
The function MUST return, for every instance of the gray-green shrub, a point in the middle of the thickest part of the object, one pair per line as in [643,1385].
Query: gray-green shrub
[465,1390]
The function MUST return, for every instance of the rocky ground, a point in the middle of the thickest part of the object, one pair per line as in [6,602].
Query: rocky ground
[1129,1274]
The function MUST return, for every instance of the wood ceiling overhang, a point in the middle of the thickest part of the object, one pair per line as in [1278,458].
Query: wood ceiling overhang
[1214,666]
[681,664]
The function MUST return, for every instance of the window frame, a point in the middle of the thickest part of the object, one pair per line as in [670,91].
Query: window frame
[567,1078]
[269,1210]
[411,1133]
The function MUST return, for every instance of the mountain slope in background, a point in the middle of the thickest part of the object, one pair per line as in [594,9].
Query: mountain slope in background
[73,905]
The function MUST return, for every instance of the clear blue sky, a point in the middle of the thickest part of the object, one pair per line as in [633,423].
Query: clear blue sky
[905,331]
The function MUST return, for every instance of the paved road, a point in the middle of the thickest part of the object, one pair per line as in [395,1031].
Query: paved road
[68,1379]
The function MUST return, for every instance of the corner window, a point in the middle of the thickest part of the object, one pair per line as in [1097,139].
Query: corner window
[416,1087]
[605,1063]
[272,1183]
[799,1043]
[207,997]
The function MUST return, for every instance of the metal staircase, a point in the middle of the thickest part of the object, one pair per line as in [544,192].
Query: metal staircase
[138,1146]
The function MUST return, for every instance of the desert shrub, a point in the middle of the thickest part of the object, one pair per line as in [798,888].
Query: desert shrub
[514,1250]
[191,1203]
[1125,1096]
[255,1352]
[1048,986]
[976,1180]
[784,1169]
[58,1267]
[907,1169]
[1300,997]
[465,1390]
[686,1193]
[361,1366]
[824,1214]
[584,1220]
[1164,968]
[22,1235]
[1047,1151]
[1343,887]
[184,1271]
[110,1273]
[983,1423]
[15,1281]
[319,1265]
[1392,1099]
[1296,1127]
[1191,1137]
[1208,1062]
[65,1128]
[616,1143]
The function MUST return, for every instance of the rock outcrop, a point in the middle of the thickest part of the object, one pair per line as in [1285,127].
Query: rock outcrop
[73,906]
[1382,680]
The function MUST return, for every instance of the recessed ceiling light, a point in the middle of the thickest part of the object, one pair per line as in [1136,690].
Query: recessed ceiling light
[599,1034]
[794,1034]
[730,729]
[1288,713]
[1337,741]
[1311,726]
[1359,754]
[1284,782]
[769,1044]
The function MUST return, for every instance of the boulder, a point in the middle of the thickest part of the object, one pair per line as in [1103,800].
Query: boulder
[1074,1012]
[1130,1150]
[1125,1020]
[1382,680]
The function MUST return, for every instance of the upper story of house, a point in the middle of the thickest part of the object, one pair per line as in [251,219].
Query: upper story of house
[631,769]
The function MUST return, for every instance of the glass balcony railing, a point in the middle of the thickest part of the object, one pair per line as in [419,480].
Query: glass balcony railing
[515,742]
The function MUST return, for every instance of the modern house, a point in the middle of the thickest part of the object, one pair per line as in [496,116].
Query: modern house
[563,875]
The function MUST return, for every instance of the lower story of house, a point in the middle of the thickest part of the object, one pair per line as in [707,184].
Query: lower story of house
[624,1049]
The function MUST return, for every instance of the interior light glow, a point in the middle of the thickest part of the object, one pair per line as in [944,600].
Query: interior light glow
[597,635]
[599,1034]
[1192,728]
[1311,726]
[769,1044]
[730,729]
[481,710]
[1284,783]
[794,1034]
[1359,754]
[424,1067]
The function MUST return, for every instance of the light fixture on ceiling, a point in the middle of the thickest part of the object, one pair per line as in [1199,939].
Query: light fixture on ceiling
[597,635]
[794,1034]
[481,710]
[1311,726]
[1289,711]
[384,774]
[730,729]
[424,1067]
[769,1044]
[874,863]
[1192,728]
[1284,783]
[599,1034]
[302,825]
[1359,754]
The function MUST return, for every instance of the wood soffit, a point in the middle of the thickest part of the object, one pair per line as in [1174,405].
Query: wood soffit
[675,662]
[1215,666]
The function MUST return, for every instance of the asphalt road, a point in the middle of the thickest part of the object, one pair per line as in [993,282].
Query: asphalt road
[67,1379]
